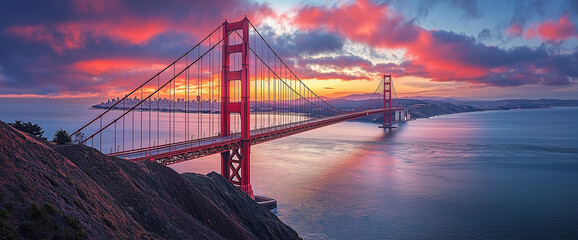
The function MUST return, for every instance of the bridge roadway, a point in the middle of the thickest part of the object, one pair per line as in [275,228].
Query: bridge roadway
[177,152]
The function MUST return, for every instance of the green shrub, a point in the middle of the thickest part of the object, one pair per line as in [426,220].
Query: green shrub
[61,137]
[28,127]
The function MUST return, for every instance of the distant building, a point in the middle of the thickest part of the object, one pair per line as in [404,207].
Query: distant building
[400,116]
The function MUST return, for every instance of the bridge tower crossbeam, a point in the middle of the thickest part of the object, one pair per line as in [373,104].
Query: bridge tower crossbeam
[235,163]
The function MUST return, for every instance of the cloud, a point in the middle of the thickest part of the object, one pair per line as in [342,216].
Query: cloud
[514,30]
[572,6]
[554,31]
[111,66]
[60,40]
[437,55]
[125,22]
[77,47]
[523,9]
[344,67]
[353,21]
[423,8]
[470,6]
[340,61]
[297,43]
[485,34]
[316,42]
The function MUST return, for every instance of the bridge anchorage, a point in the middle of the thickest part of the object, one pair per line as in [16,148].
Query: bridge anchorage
[222,96]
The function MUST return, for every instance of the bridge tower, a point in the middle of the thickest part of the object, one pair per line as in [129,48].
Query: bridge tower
[387,102]
[235,163]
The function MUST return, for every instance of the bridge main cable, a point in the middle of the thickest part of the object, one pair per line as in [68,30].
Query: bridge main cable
[143,84]
[288,68]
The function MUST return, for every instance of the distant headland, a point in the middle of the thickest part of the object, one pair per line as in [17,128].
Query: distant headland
[420,107]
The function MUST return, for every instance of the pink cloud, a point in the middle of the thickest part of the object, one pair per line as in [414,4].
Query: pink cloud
[115,66]
[440,55]
[514,30]
[560,30]
[386,28]
[116,21]
[363,20]
[67,36]
[60,40]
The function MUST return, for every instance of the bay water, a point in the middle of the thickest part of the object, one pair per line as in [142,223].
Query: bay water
[482,175]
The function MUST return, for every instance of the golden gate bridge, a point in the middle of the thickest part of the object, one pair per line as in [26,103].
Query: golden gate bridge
[227,93]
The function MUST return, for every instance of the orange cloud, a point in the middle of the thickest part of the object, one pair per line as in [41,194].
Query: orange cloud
[108,66]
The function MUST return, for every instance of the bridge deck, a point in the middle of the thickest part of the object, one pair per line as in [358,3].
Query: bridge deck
[178,152]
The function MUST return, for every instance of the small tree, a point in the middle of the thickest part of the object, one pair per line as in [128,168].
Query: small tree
[61,137]
[28,127]
[78,137]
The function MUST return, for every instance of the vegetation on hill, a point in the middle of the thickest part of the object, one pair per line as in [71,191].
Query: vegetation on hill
[425,109]
[28,127]
[61,137]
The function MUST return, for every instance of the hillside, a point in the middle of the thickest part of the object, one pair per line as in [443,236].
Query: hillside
[416,108]
[75,192]
[430,109]
[424,107]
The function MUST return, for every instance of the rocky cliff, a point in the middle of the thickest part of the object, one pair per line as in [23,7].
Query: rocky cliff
[75,192]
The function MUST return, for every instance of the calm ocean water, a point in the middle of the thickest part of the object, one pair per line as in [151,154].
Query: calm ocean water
[483,175]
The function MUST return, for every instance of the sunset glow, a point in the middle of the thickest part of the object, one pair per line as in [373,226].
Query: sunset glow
[103,49]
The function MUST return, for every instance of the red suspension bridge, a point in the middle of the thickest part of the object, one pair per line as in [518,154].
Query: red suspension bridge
[228,92]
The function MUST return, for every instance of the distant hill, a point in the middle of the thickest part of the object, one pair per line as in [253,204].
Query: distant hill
[416,108]
[424,107]
[520,103]
[75,192]
[356,97]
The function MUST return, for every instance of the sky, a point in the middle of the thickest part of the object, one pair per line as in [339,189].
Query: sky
[81,50]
